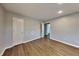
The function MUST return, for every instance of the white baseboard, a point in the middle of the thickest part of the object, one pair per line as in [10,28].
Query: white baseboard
[17,44]
[5,49]
[1,53]
[31,40]
[38,38]
[65,43]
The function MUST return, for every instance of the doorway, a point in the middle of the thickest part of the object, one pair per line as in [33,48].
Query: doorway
[18,30]
[47,30]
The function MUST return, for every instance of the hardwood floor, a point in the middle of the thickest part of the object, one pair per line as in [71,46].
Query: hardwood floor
[42,47]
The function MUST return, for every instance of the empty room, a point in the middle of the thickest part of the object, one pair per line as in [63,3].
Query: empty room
[39,29]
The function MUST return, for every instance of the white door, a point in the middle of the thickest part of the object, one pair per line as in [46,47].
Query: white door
[18,30]
[42,30]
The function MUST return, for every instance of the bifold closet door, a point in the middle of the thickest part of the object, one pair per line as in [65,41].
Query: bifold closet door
[18,30]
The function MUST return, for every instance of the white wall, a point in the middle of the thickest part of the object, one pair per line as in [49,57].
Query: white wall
[1,29]
[66,29]
[8,30]
[31,28]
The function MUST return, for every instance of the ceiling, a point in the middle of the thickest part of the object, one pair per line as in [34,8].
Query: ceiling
[42,11]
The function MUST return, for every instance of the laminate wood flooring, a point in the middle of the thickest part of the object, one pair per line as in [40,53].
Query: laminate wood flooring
[42,47]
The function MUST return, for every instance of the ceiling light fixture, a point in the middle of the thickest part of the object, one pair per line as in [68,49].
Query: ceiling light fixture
[60,11]
[59,3]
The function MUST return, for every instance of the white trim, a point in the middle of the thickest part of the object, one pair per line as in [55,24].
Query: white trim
[5,49]
[2,52]
[66,43]
[17,44]
[38,38]
[31,40]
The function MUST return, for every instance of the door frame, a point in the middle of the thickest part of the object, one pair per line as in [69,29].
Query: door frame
[46,28]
